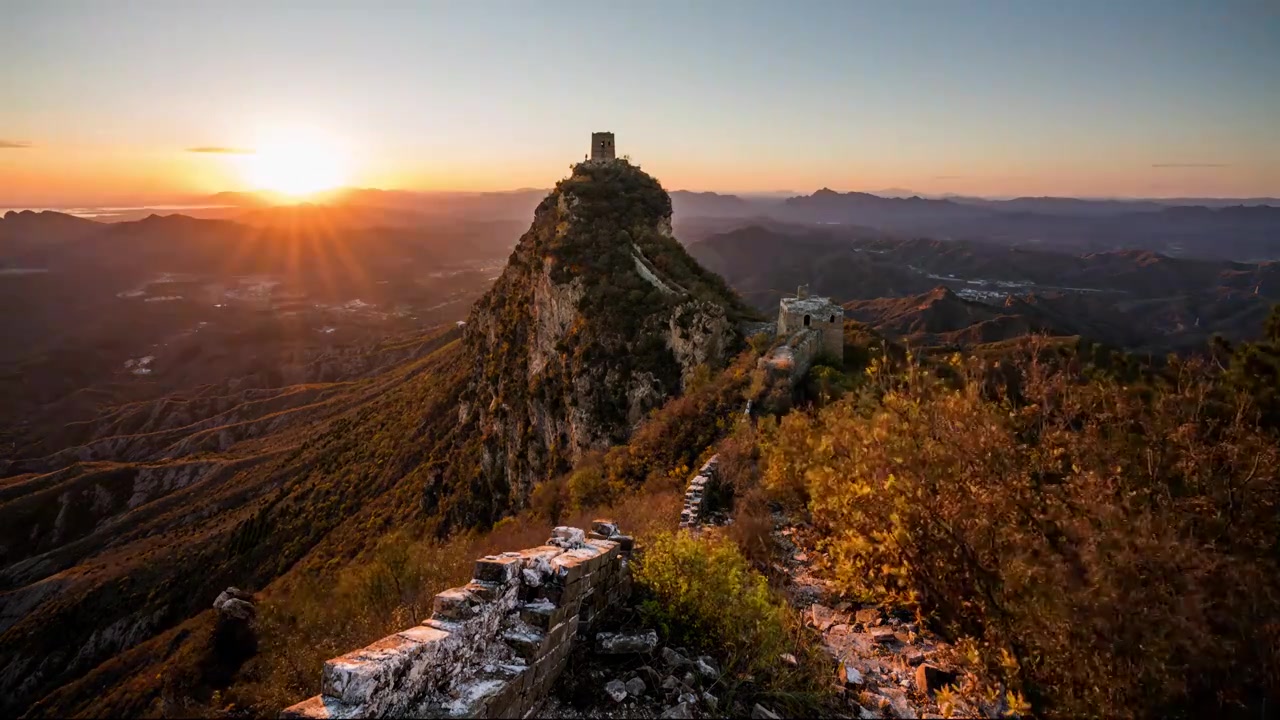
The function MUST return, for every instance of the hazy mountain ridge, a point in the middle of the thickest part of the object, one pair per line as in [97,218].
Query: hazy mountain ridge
[1135,299]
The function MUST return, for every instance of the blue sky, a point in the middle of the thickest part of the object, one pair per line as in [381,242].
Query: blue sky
[1131,97]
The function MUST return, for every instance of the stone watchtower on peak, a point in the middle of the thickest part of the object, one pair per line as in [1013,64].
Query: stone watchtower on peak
[806,312]
[602,147]
[808,327]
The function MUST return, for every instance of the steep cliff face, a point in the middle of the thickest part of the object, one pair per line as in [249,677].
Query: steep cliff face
[598,318]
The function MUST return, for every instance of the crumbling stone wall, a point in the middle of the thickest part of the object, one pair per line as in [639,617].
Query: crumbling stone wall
[701,487]
[792,359]
[492,648]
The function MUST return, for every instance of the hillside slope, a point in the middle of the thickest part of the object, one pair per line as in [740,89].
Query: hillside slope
[129,548]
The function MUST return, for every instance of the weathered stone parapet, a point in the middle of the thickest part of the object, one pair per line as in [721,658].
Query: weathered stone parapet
[695,497]
[492,648]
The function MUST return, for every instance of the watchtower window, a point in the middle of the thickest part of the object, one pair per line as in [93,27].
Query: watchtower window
[833,318]
[806,321]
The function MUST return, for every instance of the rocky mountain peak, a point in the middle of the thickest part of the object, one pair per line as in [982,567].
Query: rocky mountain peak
[599,317]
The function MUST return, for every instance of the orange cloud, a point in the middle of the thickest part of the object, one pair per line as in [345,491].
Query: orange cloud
[14,144]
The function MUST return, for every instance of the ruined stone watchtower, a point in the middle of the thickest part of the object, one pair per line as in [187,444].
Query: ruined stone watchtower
[601,147]
[819,314]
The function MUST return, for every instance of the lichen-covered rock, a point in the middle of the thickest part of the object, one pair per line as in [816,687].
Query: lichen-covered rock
[616,689]
[673,658]
[636,687]
[707,667]
[235,604]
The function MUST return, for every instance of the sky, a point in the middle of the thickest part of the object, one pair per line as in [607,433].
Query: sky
[102,101]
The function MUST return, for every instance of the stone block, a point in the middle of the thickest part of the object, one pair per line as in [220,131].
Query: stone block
[626,543]
[544,552]
[607,528]
[367,677]
[474,698]
[542,614]
[455,604]
[534,707]
[508,700]
[525,640]
[497,569]
[604,547]
[626,643]
[567,537]
[571,565]
[554,637]
[315,708]
[486,591]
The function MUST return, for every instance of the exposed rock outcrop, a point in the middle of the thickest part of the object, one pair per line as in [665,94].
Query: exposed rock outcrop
[599,317]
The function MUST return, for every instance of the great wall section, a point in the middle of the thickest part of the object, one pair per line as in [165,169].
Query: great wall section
[492,648]
[495,647]
[498,646]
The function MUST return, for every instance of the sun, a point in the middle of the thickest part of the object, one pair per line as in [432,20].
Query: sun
[296,166]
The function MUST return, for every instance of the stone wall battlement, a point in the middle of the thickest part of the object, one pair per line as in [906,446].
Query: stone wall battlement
[492,648]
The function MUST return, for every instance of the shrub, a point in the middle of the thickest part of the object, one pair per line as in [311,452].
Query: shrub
[550,499]
[702,593]
[1108,547]
[588,487]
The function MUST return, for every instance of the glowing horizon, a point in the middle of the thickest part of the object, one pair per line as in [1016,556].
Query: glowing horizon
[1153,98]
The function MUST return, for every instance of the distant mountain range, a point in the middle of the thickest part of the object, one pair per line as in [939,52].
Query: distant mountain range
[963,292]
[1215,228]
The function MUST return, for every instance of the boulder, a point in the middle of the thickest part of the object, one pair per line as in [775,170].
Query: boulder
[616,643]
[707,667]
[870,617]
[673,658]
[616,689]
[883,635]
[849,675]
[235,604]
[635,687]
[683,711]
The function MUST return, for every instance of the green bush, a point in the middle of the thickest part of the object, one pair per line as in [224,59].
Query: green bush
[588,487]
[703,594]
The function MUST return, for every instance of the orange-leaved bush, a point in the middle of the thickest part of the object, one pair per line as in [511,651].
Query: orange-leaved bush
[1111,548]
